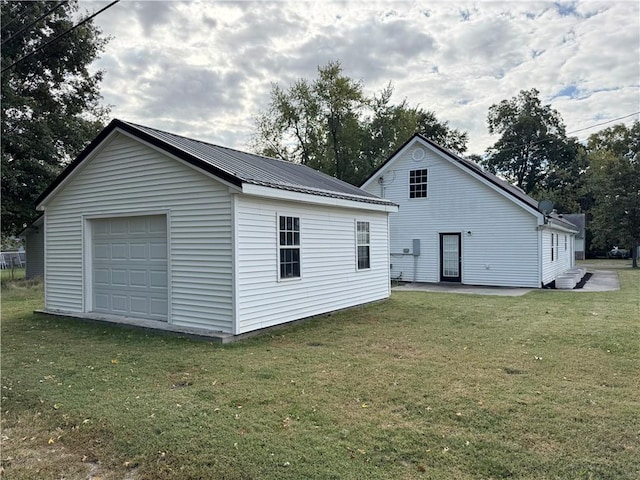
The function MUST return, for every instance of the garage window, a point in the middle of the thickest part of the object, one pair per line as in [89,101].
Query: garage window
[289,246]
[363,241]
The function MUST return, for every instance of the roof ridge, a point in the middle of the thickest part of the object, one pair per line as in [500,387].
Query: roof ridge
[210,144]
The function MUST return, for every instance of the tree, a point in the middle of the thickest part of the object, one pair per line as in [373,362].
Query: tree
[391,125]
[614,179]
[330,124]
[50,101]
[532,141]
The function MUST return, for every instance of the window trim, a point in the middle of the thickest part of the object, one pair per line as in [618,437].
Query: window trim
[425,183]
[367,245]
[280,247]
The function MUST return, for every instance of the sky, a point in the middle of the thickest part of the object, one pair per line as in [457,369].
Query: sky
[205,69]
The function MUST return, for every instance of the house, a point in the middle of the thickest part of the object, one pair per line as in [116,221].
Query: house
[579,220]
[458,223]
[33,237]
[148,225]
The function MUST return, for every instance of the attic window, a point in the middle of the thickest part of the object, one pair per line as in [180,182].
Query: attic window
[418,183]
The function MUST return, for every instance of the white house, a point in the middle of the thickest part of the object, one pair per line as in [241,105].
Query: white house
[149,225]
[458,223]
[579,220]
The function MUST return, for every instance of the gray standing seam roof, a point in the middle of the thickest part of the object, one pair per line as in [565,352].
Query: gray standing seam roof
[234,166]
[264,171]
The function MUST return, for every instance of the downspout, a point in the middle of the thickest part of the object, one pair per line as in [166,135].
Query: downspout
[540,253]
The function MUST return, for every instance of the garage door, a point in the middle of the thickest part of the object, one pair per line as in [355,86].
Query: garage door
[130,266]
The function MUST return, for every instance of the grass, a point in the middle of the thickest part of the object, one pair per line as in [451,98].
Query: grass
[425,386]
[7,275]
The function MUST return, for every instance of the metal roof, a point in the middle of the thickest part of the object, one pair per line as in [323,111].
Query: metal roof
[234,166]
[576,221]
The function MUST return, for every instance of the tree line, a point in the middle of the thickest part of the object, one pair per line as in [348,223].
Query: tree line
[329,124]
[50,110]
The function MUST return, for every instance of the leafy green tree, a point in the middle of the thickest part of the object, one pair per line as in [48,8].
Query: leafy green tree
[330,125]
[392,125]
[50,101]
[532,141]
[614,179]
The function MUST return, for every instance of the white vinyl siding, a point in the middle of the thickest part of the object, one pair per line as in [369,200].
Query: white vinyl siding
[128,177]
[499,238]
[563,259]
[329,280]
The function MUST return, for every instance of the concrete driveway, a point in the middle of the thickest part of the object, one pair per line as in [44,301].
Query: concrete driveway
[600,281]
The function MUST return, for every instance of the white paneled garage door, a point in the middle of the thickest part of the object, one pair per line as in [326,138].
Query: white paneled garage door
[129,256]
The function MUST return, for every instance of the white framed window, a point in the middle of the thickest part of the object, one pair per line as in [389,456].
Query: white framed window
[565,243]
[363,245]
[418,183]
[288,247]
[553,247]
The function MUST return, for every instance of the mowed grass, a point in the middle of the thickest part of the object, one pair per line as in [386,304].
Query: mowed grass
[425,386]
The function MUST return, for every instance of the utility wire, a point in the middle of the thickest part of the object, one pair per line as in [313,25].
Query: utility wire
[19,16]
[515,147]
[604,123]
[59,36]
[13,20]
[49,12]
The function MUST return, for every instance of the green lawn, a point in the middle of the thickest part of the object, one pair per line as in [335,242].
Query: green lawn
[425,385]
[7,274]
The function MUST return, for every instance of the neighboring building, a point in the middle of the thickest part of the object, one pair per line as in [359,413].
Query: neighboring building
[458,223]
[33,236]
[151,225]
[579,220]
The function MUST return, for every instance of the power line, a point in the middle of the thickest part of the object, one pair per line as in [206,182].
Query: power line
[13,20]
[50,11]
[58,37]
[603,123]
[515,147]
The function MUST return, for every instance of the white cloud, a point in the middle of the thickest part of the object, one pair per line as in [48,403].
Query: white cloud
[205,69]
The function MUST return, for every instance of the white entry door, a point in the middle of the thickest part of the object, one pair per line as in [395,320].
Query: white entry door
[129,263]
[450,257]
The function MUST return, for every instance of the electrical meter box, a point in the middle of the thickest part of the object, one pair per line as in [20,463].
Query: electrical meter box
[416,247]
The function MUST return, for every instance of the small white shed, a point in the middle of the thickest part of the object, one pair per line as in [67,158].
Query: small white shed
[458,223]
[149,225]
[33,237]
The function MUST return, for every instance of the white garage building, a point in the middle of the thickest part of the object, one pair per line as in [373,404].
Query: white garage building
[149,225]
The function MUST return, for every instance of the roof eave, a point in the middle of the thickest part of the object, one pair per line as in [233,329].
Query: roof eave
[292,194]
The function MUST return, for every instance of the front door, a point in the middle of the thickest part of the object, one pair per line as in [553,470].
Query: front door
[450,258]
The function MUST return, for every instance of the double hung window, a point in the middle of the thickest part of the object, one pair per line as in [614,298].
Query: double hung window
[363,245]
[289,246]
[418,183]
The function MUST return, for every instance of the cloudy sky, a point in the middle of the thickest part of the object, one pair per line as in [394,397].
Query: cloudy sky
[205,69]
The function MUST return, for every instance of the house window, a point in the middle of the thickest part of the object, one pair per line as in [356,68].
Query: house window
[289,247]
[552,248]
[565,243]
[363,245]
[418,183]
